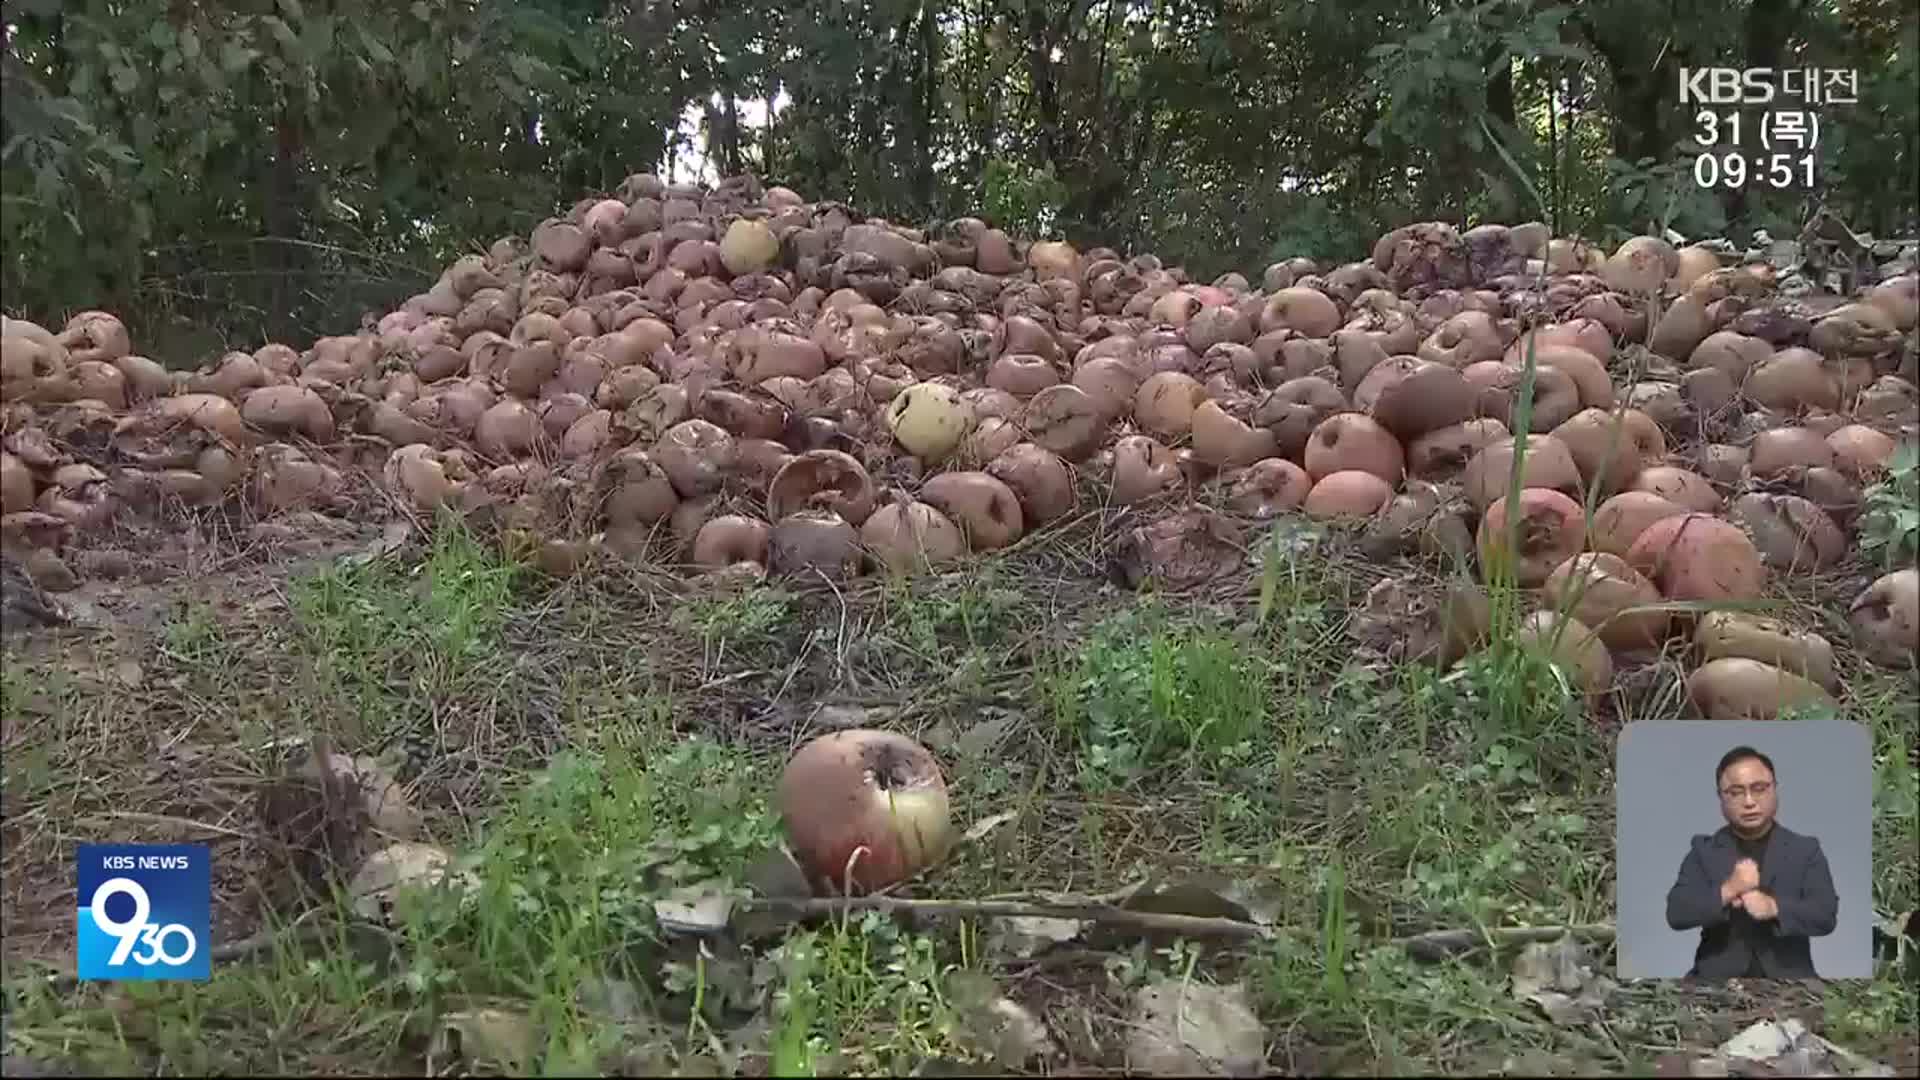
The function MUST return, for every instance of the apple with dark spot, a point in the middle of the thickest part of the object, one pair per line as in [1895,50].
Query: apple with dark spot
[874,798]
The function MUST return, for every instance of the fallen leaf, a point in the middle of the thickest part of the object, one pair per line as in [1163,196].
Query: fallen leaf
[1023,935]
[1770,1046]
[1195,1029]
[702,909]
[1261,900]
[1186,549]
[996,1025]
[615,999]
[776,873]
[982,737]
[1788,1048]
[979,829]
[1547,965]
[395,867]
[1197,897]
[1554,975]
[773,874]
[1566,1010]
[490,1036]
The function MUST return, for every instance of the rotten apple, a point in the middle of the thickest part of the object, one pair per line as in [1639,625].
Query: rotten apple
[872,798]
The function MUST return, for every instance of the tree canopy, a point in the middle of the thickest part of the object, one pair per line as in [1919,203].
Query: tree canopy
[273,169]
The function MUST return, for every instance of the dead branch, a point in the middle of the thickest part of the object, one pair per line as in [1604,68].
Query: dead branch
[1441,944]
[1103,914]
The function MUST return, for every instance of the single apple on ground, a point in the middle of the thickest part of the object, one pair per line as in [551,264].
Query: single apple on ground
[873,792]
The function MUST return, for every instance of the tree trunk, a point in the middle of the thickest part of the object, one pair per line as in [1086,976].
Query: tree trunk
[1641,97]
[1500,106]
[282,216]
[929,93]
[1770,24]
[1046,100]
[1641,102]
[1500,89]
[729,135]
[766,143]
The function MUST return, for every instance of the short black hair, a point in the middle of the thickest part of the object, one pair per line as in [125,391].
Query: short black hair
[1739,754]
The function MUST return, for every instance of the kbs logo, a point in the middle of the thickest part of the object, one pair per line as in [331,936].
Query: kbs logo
[145,911]
[1762,86]
[1726,86]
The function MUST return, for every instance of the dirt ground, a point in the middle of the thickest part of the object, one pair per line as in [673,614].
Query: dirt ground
[1258,749]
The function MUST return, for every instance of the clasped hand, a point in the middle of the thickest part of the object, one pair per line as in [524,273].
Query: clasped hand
[1742,890]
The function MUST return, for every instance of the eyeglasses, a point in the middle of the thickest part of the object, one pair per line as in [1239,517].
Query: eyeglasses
[1736,793]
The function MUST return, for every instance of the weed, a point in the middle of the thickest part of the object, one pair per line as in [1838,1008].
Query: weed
[1390,1008]
[1859,1011]
[1890,525]
[950,625]
[1140,964]
[1237,743]
[385,643]
[1334,931]
[1516,702]
[1145,695]
[194,636]
[744,620]
[866,992]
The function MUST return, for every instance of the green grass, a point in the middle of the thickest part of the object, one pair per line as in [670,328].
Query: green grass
[1381,1007]
[1890,525]
[734,622]
[388,642]
[1141,698]
[586,750]
[863,996]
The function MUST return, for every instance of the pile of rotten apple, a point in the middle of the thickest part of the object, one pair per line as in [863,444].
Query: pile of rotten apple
[761,383]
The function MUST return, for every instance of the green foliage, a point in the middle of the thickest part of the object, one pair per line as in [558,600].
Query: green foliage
[221,175]
[1890,527]
[1437,83]
[556,896]
[742,620]
[1649,198]
[451,604]
[1315,228]
[1020,198]
[382,644]
[279,205]
[1144,695]
[1874,169]
[861,997]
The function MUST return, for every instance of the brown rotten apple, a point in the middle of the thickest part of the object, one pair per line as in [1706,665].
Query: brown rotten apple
[869,792]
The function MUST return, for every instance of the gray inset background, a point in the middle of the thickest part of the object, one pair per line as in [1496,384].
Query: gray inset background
[1666,795]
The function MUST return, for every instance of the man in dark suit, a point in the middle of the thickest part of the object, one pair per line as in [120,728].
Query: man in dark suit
[1756,890]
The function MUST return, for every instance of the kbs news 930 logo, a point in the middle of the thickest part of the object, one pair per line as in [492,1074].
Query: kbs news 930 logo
[145,911]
